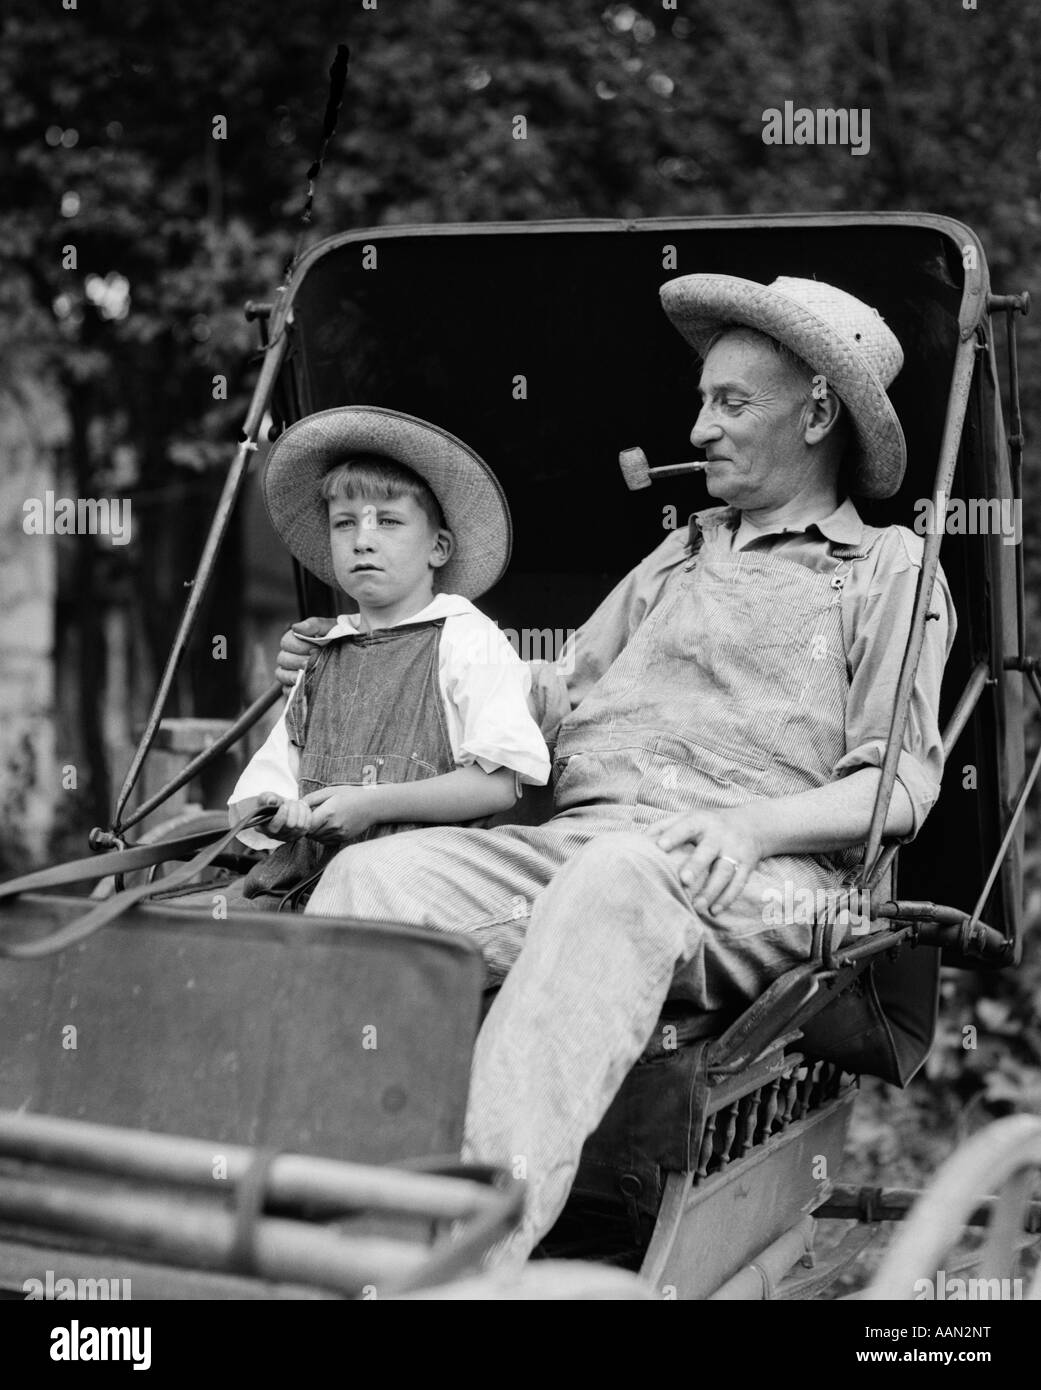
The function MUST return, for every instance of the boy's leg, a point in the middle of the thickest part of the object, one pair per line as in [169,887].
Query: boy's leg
[481,882]
[220,897]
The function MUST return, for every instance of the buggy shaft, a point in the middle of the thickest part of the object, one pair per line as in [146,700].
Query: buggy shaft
[292,1178]
[269,369]
[193,1232]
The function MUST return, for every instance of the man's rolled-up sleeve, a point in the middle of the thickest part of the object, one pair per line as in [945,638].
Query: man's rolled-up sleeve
[875,657]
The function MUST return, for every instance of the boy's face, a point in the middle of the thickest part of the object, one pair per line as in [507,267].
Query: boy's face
[385,552]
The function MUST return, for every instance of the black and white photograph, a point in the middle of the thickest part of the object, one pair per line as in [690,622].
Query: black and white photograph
[520,699]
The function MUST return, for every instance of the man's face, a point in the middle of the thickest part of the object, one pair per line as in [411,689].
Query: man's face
[751,423]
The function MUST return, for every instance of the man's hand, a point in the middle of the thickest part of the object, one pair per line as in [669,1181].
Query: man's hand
[728,848]
[340,813]
[291,821]
[295,655]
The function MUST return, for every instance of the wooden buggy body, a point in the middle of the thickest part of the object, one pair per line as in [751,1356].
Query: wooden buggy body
[544,347]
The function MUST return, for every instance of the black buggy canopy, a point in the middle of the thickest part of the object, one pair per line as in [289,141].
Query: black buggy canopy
[543,345]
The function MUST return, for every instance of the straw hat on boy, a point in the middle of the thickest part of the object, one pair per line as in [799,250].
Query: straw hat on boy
[471,499]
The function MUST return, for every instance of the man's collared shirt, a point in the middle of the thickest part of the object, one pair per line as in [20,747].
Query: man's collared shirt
[877,604]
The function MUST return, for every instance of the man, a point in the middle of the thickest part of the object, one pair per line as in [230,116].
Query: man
[724,725]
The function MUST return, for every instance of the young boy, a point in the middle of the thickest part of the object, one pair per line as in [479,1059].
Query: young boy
[415,712]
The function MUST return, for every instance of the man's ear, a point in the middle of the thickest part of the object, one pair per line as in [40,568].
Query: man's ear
[822,414]
[441,551]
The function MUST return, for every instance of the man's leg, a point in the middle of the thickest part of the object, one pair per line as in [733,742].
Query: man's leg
[578,1008]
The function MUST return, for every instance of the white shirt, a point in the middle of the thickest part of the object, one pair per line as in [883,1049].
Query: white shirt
[484,686]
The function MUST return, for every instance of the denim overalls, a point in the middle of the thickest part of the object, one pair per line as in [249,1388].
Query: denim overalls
[732,689]
[369,710]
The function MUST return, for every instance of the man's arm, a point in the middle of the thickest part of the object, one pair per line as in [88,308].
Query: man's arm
[559,687]
[295,655]
[838,815]
[827,818]
[876,655]
[831,817]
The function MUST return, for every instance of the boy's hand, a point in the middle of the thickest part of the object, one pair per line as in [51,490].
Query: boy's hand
[340,813]
[295,655]
[291,821]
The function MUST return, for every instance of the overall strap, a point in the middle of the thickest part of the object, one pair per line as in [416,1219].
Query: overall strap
[844,554]
[388,634]
[695,537]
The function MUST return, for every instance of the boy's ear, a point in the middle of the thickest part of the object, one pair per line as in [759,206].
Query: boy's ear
[442,549]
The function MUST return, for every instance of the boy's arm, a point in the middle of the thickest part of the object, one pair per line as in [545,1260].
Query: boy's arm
[466,793]
[270,773]
[485,688]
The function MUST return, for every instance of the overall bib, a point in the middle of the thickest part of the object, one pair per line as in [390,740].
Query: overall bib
[369,710]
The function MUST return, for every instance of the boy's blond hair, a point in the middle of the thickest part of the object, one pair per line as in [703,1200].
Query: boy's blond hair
[372,475]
